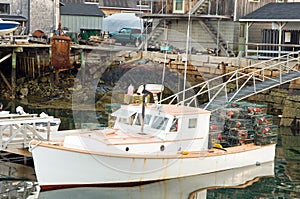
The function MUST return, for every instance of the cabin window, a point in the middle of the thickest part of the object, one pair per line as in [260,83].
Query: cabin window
[138,120]
[131,119]
[174,127]
[193,123]
[178,6]
[159,123]
[4,8]
[128,120]
[123,120]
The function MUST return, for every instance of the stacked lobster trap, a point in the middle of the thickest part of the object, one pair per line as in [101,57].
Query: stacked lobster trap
[242,122]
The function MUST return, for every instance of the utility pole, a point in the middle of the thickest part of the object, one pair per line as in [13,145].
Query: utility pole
[56,14]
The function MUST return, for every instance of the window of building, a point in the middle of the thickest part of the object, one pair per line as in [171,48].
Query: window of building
[178,6]
[4,8]
[142,2]
[91,1]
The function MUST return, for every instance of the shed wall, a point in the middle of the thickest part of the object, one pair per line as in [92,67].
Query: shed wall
[75,23]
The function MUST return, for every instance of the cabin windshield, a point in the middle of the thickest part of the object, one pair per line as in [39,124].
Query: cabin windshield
[127,120]
[159,122]
[138,120]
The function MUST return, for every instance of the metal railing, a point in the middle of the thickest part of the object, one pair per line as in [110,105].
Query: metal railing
[265,51]
[246,81]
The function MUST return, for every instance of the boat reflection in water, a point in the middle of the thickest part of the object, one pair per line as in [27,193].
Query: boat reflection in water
[193,187]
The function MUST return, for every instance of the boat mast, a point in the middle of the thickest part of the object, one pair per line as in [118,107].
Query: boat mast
[186,52]
[166,43]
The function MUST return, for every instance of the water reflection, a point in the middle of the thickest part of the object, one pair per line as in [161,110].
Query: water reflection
[18,189]
[288,161]
[194,187]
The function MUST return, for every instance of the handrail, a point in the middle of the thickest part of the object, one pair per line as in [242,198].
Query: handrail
[245,79]
[197,6]
[148,34]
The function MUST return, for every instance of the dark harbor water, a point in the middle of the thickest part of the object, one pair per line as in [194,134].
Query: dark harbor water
[280,180]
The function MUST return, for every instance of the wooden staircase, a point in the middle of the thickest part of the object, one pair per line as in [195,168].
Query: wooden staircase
[217,38]
[156,33]
[200,7]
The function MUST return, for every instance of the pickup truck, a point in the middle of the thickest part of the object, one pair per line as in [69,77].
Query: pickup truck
[128,36]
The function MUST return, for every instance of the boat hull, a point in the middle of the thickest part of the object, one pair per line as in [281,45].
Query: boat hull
[174,188]
[58,168]
[7,27]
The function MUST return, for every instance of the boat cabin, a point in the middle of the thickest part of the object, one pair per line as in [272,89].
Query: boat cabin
[169,123]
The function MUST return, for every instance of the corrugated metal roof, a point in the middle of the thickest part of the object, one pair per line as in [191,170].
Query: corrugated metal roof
[275,12]
[118,3]
[81,9]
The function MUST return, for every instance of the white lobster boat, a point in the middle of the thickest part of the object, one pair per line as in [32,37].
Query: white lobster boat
[146,144]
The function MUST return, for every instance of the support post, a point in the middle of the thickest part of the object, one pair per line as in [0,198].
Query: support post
[247,38]
[82,58]
[218,38]
[281,25]
[13,74]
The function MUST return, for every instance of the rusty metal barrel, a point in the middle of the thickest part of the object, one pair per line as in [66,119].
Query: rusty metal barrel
[60,54]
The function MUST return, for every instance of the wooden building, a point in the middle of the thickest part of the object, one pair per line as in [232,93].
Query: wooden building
[215,23]
[33,14]
[272,30]
[110,7]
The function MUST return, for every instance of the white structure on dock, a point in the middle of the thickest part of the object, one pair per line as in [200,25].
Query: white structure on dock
[16,131]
